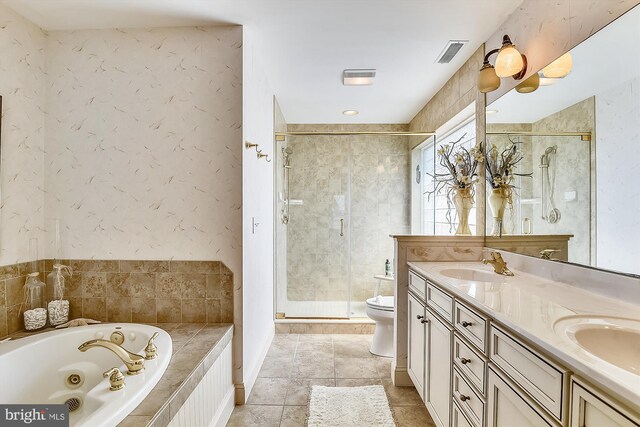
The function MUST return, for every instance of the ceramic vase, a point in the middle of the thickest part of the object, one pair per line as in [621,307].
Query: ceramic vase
[498,200]
[463,201]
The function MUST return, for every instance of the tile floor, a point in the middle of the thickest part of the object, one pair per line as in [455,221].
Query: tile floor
[296,362]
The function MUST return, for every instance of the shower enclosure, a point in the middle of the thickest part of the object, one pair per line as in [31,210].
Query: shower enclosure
[339,197]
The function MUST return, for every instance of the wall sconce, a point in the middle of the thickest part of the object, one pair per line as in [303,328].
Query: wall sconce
[509,63]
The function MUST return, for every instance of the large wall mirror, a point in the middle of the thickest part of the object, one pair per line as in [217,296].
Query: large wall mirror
[575,191]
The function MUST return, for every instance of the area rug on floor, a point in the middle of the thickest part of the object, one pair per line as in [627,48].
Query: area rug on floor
[349,407]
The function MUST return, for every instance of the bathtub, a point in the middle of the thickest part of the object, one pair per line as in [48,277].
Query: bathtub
[48,368]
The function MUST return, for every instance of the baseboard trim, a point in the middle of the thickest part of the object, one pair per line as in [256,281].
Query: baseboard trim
[401,377]
[251,378]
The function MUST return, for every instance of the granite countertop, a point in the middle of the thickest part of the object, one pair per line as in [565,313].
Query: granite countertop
[196,347]
[532,305]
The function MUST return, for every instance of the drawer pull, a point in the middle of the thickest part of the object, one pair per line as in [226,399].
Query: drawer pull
[424,321]
[465,361]
[419,317]
[464,398]
[466,324]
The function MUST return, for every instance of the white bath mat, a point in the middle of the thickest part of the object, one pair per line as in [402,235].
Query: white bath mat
[349,407]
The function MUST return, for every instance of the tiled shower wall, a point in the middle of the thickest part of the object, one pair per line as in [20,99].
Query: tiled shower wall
[130,291]
[323,169]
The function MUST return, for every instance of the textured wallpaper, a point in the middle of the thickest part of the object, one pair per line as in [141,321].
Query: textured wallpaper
[143,143]
[22,87]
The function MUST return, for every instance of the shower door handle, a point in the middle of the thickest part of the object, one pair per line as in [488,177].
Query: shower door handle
[341,227]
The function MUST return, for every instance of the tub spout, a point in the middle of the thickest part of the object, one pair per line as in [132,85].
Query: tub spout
[134,362]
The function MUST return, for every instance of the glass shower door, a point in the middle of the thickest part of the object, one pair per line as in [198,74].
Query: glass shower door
[317,233]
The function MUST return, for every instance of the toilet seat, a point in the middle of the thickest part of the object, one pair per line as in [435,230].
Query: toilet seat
[387,303]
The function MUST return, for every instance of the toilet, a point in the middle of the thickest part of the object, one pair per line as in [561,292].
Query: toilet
[381,310]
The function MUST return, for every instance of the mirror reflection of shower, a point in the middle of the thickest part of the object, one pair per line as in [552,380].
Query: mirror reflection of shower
[286,164]
[550,212]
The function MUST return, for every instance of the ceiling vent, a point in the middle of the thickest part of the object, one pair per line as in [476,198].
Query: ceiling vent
[451,50]
[358,77]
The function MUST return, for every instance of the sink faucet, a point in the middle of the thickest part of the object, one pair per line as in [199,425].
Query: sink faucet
[499,264]
[134,362]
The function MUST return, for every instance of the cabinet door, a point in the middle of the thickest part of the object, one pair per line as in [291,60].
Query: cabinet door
[439,365]
[508,407]
[415,356]
[587,410]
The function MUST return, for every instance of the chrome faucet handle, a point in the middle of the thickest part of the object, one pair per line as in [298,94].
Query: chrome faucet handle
[151,351]
[116,379]
[546,253]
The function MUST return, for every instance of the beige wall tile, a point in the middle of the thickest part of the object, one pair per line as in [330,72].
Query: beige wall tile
[14,290]
[193,310]
[119,309]
[127,266]
[3,293]
[75,307]
[143,310]
[15,321]
[214,313]
[142,285]
[169,310]
[213,286]
[4,331]
[95,308]
[210,267]
[94,284]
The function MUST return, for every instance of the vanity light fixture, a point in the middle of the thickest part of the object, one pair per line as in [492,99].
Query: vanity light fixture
[509,63]
[559,68]
[350,112]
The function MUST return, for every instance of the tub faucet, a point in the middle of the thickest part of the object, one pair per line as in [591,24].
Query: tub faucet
[499,264]
[134,362]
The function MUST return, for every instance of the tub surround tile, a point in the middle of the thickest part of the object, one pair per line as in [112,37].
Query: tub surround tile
[119,309]
[4,330]
[143,310]
[94,284]
[143,266]
[15,321]
[130,290]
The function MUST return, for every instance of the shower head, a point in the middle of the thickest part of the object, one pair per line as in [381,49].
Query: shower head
[551,149]
[288,151]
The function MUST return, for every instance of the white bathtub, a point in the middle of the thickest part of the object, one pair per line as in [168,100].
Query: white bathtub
[35,370]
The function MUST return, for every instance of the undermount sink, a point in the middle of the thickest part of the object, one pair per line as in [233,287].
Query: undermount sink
[614,340]
[470,274]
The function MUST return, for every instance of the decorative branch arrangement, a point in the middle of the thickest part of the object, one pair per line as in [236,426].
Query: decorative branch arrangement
[458,182]
[500,173]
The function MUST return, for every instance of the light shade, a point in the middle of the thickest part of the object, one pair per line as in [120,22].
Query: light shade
[350,112]
[559,68]
[488,81]
[509,61]
[530,84]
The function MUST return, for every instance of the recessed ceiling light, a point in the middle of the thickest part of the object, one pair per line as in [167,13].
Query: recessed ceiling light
[488,112]
[358,77]
[350,112]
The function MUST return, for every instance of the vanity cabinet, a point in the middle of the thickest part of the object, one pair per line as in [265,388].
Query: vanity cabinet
[508,406]
[437,395]
[416,350]
[474,372]
[589,409]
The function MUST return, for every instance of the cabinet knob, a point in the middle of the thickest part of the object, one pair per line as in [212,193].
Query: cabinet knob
[424,321]
[419,317]
[466,324]
[465,361]
[464,398]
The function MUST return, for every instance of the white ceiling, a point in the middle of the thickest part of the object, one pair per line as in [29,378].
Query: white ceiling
[305,44]
[605,60]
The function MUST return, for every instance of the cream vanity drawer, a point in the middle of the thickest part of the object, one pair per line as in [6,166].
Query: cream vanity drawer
[458,419]
[440,302]
[471,325]
[544,380]
[417,284]
[467,399]
[470,363]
